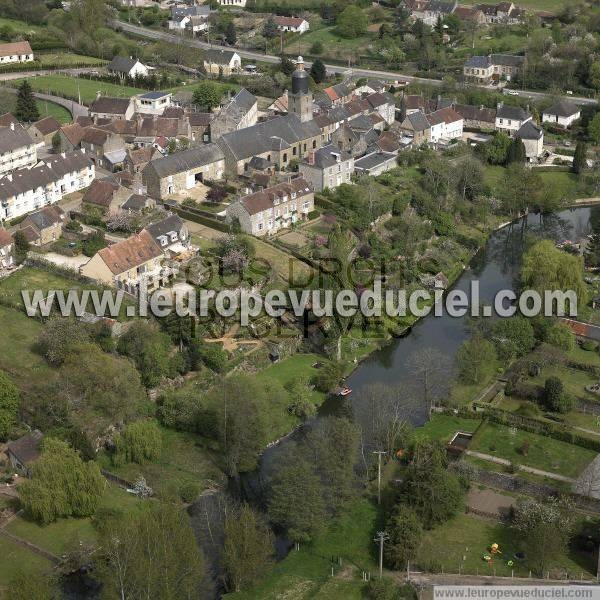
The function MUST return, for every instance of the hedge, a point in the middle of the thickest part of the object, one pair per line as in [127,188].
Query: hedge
[202,220]
[324,202]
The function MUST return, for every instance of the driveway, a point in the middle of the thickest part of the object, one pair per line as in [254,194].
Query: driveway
[69,262]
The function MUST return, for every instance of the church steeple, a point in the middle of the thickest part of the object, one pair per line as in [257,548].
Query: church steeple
[300,99]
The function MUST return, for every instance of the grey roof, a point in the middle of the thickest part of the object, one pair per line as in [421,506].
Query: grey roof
[116,156]
[135,202]
[259,163]
[562,108]
[13,139]
[478,62]
[122,64]
[373,160]
[327,156]
[217,56]
[418,121]
[507,60]
[244,99]
[238,108]
[186,160]
[167,225]
[476,113]
[190,11]
[514,113]
[43,174]
[111,106]
[440,6]
[530,131]
[27,448]
[361,123]
[45,217]
[267,135]
[154,95]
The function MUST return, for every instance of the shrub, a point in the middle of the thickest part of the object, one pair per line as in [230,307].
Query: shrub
[383,589]
[189,490]
[138,442]
[589,346]
[555,398]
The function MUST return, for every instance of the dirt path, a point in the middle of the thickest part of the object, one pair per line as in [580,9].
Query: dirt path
[230,344]
[532,470]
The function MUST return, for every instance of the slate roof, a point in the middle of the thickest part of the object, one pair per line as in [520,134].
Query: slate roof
[218,57]
[265,199]
[514,113]
[45,217]
[562,108]
[373,160]
[530,131]
[12,139]
[6,119]
[167,225]
[49,170]
[27,448]
[418,121]
[130,253]
[154,95]
[158,127]
[260,138]
[47,125]
[478,62]
[173,112]
[199,119]
[122,64]
[326,157]
[186,160]
[15,48]
[135,202]
[112,106]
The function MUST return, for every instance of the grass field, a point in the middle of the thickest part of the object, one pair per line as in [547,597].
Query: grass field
[306,573]
[66,59]
[71,87]
[286,266]
[50,109]
[547,5]
[443,427]
[16,557]
[462,541]
[334,45]
[544,452]
[20,26]
[181,460]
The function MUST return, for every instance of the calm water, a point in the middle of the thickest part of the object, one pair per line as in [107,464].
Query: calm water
[496,267]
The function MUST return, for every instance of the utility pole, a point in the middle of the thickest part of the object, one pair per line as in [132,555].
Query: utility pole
[381,537]
[379,453]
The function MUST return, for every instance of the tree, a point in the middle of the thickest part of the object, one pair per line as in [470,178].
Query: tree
[139,442]
[555,397]
[211,355]
[26,109]
[384,588]
[594,75]
[351,22]
[430,370]
[10,402]
[61,484]
[21,247]
[300,404]
[592,251]
[546,267]
[428,487]
[56,143]
[560,336]
[295,501]
[150,349]
[594,128]
[207,94]
[59,337]
[317,47]
[230,34]
[513,337]
[406,532]
[516,151]
[150,553]
[328,377]
[287,66]
[469,178]
[496,150]
[270,28]
[247,550]
[476,359]
[318,71]
[545,529]
[580,158]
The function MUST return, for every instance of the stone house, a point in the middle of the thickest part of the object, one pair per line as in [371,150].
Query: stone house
[44,226]
[267,211]
[97,142]
[476,117]
[327,167]
[24,451]
[221,62]
[43,131]
[171,234]
[104,107]
[532,136]
[183,170]
[239,113]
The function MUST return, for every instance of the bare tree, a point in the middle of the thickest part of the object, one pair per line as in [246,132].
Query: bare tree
[431,372]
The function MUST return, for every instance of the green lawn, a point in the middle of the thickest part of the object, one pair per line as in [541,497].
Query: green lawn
[283,263]
[32,278]
[17,557]
[66,59]
[72,87]
[20,26]
[182,459]
[307,573]
[462,542]
[17,343]
[544,452]
[50,109]
[443,427]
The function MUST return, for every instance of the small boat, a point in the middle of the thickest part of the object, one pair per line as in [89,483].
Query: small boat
[342,391]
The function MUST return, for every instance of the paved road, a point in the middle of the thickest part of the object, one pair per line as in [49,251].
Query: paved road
[76,110]
[259,56]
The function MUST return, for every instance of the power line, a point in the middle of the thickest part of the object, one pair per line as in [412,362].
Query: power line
[381,537]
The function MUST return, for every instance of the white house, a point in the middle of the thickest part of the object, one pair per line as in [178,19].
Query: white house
[184,16]
[236,3]
[153,103]
[48,182]
[446,124]
[294,24]
[17,148]
[532,136]
[16,52]
[510,119]
[562,113]
[124,66]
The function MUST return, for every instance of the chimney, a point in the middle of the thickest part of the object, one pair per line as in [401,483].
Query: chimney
[12,126]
